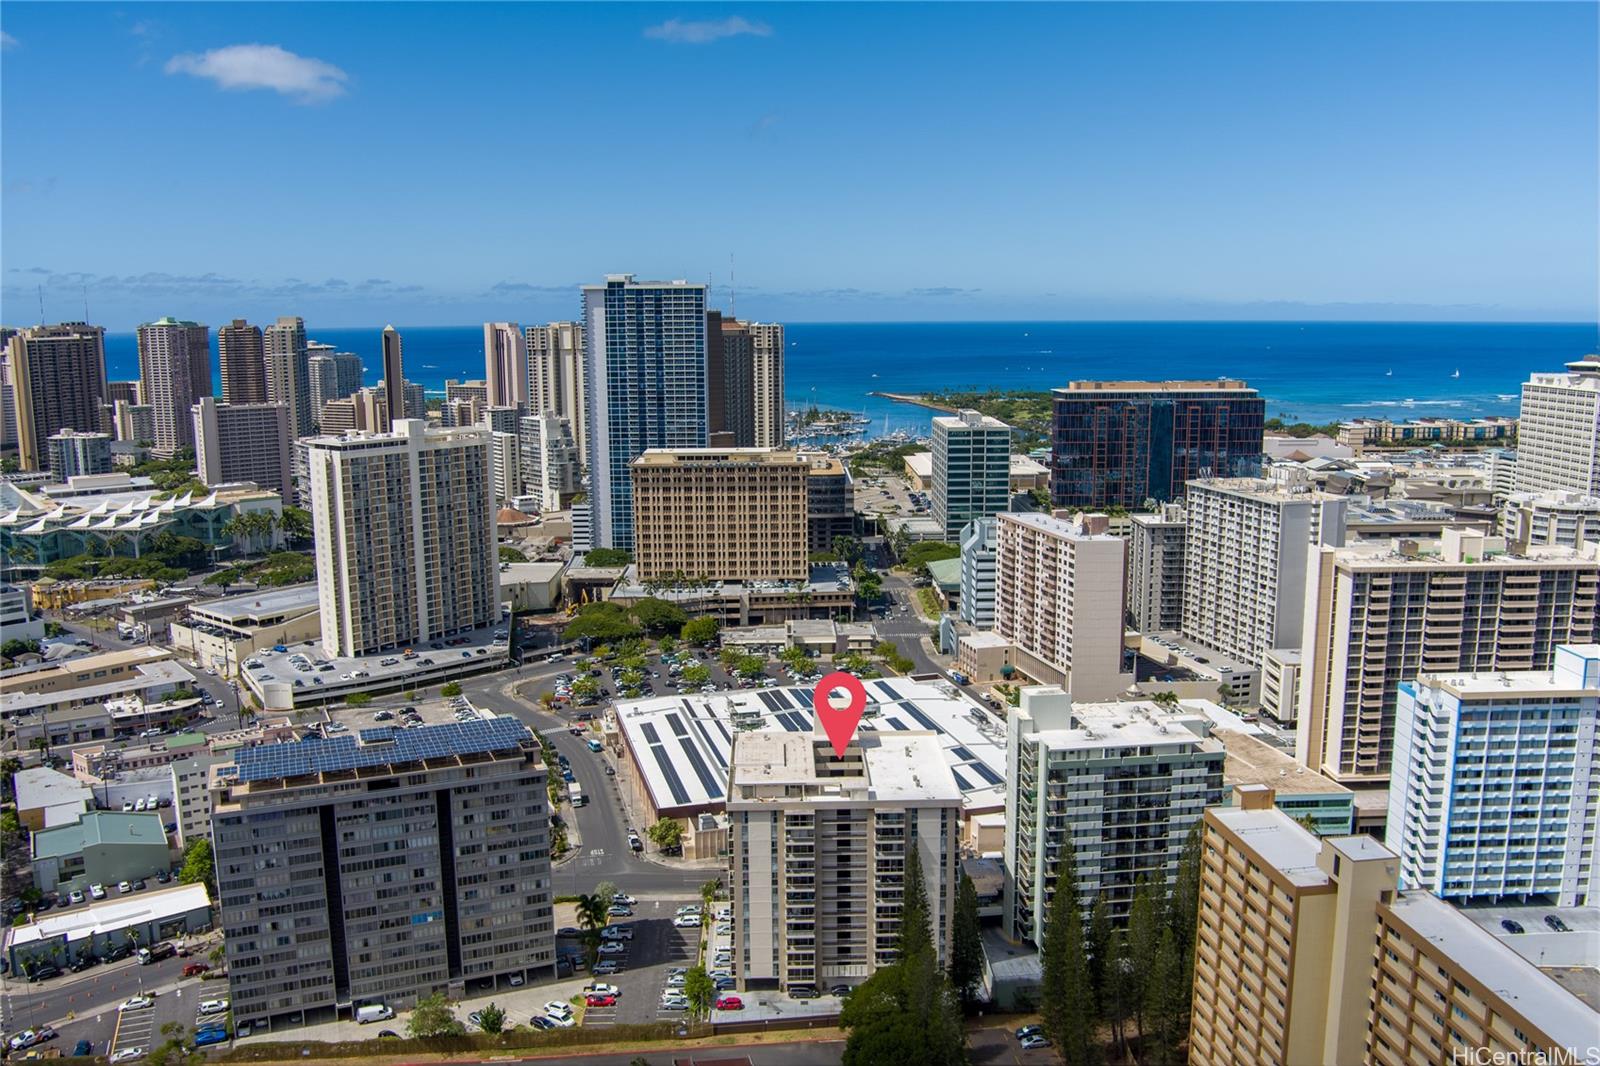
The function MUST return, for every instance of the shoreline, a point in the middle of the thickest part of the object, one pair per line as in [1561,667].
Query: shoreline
[915,399]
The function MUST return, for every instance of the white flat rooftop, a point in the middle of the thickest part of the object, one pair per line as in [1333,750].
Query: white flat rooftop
[1280,841]
[114,915]
[682,745]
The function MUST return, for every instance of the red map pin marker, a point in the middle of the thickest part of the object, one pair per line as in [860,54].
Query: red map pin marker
[839,722]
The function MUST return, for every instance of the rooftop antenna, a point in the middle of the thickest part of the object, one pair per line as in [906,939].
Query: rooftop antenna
[41,304]
[86,303]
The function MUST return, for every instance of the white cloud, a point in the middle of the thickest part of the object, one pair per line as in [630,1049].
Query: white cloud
[7,41]
[677,31]
[264,66]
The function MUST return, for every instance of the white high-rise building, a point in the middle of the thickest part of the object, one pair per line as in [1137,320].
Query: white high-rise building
[1058,600]
[977,572]
[1495,789]
[549,459]
[244,442]
[971,469]
[1155,569]
[1245,561]
[1124,781]
[1380,613]
[557,376]
[646,367]
[333,374]
[817,852]
[506,461]
[1558,435]
[405,542]
[174,372]
[1551,519]
[289,372]
[505,364]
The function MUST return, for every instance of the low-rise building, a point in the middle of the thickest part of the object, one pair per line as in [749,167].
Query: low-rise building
[1553,519]
[1302,794]
[531,586]
[1280,684]
[100,848]
[223,633]
[985,655]
[815,636]
[47,797]
[51,699]
[826,592]
[93,764]
[60,937]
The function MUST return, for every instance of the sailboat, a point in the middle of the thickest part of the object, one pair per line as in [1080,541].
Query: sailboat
[1388,373]
[1456,374]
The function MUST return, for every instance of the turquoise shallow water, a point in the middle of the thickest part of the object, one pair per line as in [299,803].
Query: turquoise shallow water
[1311,371]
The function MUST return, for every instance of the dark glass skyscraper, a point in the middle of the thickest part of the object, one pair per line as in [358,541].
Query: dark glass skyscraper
[1120,443]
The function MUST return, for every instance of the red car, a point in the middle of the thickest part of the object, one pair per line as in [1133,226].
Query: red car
[730,1003]
[195,969]
[601,1001]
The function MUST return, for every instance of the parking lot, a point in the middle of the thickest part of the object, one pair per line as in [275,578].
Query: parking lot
[639,970]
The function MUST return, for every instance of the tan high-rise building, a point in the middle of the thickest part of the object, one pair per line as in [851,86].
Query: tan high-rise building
[1381,613]
[817,846]
[1307,955]
[505,364]
[1059,596]
[57,378]
[405,545]
[734,514]
[364,410]
[394,374]
[288,357]
[243,360]
[557,376]
[174,372]
[766,344]
[243,442]
[1283,946]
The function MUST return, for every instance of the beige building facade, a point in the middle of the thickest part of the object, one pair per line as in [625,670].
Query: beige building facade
[723,514]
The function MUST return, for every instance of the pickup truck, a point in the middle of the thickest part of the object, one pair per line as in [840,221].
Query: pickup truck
[155,953]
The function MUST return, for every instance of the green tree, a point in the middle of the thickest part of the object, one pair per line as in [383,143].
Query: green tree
[699,990]
[914,934]
[607,557]
[1144,937]
[295,524]
[750,666]
[700,631]
[966,944]
[1099,947]
[1166,1005]
[604,622]
[592,918]
[358,699]
[13,648]
[709,890]
[606,891]
[905,1014]
[658,616]
[198,868]
[585,687]
[508,554]
[848,548]
[1183,910]
[1066,996]
[450,689]
[1117,990]
[696,675]
[491,1019]
[666,833]
[433,1016]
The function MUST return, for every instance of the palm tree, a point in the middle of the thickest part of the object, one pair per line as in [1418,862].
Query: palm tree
[592,917]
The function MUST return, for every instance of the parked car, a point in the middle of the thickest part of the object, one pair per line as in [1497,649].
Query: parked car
[76,896]
[1556,924]
[607,967]
[597,1000]
[670,1001]
[137,1003]
[1029,1030]
[1034,1042]
[617,932]
[729,1003]
[541,1022]
[82,1049]
[613,947]
[803,991]
[97,891]
[687,921]
[1510,925]
[45,972]
[195,969]
[202,1037]
[214,1006]
[127,1054]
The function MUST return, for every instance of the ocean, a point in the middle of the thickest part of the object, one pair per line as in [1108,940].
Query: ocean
[1310,372]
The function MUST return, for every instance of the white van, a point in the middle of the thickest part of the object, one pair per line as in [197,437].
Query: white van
[373,1012]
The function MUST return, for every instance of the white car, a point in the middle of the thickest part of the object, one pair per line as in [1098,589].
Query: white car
[677,971]
[137,1003]
[688,909]
[128,1054]
[624,899]
[561,1021]
[214,1006]
[613,947]
[674,1003]
[617,932]
[687,921]
[97,891]
[124,887]
[600,988]
[555,1006]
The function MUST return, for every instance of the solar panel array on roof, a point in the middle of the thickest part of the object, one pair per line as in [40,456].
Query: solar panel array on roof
[961,782]
[712,786]
[886,687]
[803,695]
[921,719]
[963,754]
[378,747]
[984,772]
[710,745]
[674,782]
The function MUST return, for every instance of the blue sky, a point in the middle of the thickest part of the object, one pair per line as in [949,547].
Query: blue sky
[423,163]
